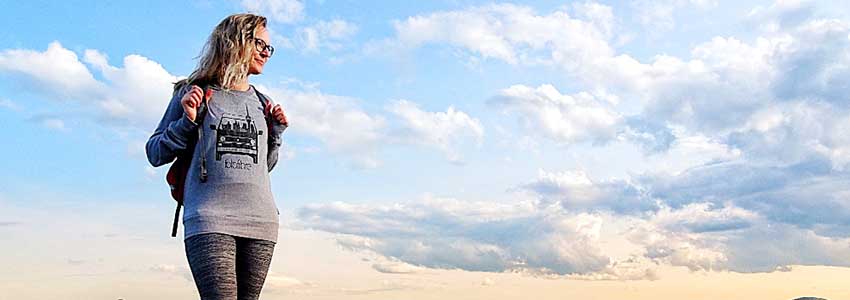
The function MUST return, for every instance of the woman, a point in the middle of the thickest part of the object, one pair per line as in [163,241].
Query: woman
[230,218]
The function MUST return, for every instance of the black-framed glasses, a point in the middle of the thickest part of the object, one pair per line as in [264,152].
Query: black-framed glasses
[261,46]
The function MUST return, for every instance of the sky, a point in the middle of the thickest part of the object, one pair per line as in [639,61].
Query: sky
[672,149]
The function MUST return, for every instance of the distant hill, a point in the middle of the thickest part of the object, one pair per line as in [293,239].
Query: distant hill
[809,298]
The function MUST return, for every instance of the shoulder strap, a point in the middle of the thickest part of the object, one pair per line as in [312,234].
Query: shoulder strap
[199,119]
[263,99]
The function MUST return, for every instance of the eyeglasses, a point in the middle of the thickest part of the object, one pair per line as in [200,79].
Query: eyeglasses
[261,46]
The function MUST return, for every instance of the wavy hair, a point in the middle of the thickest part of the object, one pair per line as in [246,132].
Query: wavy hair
[227,53]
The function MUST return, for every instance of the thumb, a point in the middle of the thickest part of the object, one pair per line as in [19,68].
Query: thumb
[268,107]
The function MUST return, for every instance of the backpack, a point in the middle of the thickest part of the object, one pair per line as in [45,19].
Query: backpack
[179,169]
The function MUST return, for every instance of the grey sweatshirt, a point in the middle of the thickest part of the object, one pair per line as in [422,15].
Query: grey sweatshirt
[240,151]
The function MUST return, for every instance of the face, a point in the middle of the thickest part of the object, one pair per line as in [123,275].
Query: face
[260,57]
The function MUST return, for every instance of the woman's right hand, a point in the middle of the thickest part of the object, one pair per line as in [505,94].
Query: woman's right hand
[191,101]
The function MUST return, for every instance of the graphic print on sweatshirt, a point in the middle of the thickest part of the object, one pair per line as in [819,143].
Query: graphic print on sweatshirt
[236,135]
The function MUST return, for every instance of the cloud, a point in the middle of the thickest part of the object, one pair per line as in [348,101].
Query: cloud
[50,122]
[574,190]
[475,236]
[565,119]
[396,267]
[282,11]
[323,116]
[337,121]
[724,86]
[511,33]
[325,35]
[132,96]
[277,282]
[781,14]
[659,16]
[138,92]
[441,130]
[57,71]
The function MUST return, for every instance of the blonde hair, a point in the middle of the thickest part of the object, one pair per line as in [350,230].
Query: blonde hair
[227,53]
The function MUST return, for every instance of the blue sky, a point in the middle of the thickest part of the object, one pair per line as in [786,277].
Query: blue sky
[582,140]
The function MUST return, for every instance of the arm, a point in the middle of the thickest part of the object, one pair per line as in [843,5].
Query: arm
[171,138]
[275,142]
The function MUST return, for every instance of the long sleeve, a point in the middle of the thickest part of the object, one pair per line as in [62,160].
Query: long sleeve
[275,142]
[173,134]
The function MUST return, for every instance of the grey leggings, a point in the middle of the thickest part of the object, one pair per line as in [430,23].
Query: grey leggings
[227,267]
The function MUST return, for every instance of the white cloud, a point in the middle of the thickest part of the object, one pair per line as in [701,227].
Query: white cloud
[659,16]
[781,14]
[512,33]
[56,71]
[436,129]
[283,11]
[325,35]
[138,92]
[133,96]
[574,190]
[337,121]
[565,119]
[476,236]
[342,125]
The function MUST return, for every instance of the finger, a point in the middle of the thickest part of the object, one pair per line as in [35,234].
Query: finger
[194,100]
[281,117]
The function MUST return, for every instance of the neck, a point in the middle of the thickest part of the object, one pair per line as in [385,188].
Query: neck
[241,85]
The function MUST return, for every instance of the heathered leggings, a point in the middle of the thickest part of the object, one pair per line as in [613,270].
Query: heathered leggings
[227,267]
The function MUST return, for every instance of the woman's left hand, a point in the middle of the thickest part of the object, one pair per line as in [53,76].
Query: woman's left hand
[277,113]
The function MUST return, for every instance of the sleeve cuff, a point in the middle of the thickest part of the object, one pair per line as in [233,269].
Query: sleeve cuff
[277,128]
[185,126]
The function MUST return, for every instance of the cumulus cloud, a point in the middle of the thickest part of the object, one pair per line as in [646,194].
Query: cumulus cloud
[329,35]
[475,236]
[135,95]
[574,190]
[283,11]
[512,33]
[58,70]
[766,115]
[337,121]
[345,127]
[138,92]
[565,119]
[442,130]
[723,86]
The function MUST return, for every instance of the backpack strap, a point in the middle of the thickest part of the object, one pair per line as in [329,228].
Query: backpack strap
[265,101]
[199,119]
